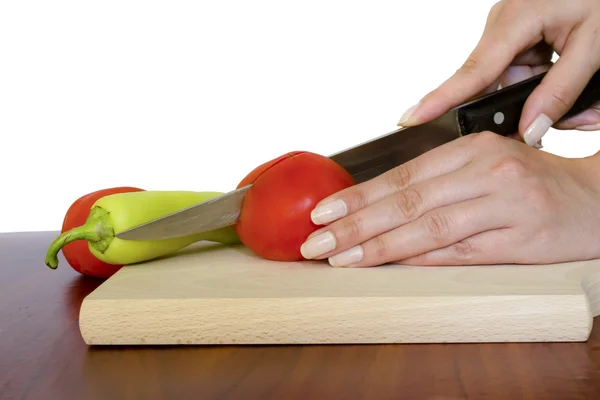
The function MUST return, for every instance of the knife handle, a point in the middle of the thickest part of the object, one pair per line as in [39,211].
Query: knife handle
[500,111]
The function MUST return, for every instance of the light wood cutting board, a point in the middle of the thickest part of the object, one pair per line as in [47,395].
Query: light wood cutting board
[210,294]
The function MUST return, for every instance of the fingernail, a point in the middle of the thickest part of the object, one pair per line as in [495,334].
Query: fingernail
[408,114]
[588,127]
[329,212]
[538,145]
[318,245]
[347,258]
[593,127]
[537,129]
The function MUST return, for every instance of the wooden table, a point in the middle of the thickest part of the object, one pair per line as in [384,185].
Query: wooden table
[42,356]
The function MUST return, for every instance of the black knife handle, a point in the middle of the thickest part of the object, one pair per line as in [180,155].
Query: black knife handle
[500,111]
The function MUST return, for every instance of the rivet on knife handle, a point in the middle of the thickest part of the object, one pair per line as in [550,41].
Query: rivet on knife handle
[500,111]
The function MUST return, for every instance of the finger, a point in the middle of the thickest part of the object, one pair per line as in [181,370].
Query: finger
[539,54]
[395,210]
[491,88]
[495,51]
[524,66]
[538,69]
[561,86]
[436,229]
[437,161]
[489,247]
[518,73]
[513,74]
[588,120]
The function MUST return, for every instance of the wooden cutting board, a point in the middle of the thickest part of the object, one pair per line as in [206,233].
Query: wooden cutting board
[210,294]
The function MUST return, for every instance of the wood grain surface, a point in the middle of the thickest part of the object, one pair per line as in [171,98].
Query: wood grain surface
[214,294]
[42,356]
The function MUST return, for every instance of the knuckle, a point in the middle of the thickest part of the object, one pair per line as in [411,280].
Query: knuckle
[473,69]
[356,199]
[408,203]
[562,95]
[509,167]
[486,139]
[462,250]
[350,229]
[437,225]
[510,7]
[538,196]
[496,8]
[399,177]
[471,64]
[510,11]
[380,248]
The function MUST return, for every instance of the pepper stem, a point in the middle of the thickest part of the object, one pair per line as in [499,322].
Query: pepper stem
[97,230]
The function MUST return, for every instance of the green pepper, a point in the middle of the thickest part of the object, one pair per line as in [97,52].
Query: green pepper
[118,212]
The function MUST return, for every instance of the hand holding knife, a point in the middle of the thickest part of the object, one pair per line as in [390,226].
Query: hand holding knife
[498,112]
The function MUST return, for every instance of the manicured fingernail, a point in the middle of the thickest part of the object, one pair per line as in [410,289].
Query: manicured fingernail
[592,127]
[537,129]
[408,114]
[588,127]
[347,258]
[538,145]
[318,245]
[329,212]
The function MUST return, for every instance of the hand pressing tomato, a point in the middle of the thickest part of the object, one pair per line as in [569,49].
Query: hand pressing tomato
[480,199]
[77,253]
[275,216]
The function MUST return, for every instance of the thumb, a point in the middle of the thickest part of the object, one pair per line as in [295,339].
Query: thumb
[558,91]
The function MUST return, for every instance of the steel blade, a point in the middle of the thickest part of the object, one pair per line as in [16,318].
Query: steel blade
[364,161]
[218,212]
[374,157]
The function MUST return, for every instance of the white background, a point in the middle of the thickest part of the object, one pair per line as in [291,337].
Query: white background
[192,95]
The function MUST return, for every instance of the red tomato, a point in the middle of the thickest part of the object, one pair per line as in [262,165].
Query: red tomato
[275,215]
[77,253]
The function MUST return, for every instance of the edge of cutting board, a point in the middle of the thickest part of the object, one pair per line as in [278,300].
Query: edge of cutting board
[216,295]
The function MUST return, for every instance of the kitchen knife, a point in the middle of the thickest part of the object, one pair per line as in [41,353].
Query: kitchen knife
[498,112]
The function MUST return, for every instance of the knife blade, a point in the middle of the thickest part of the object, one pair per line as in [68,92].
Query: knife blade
[218,212]
[498,112]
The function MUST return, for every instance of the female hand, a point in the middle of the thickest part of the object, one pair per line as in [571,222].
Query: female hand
[480,199]
[485,199]
[518,43]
